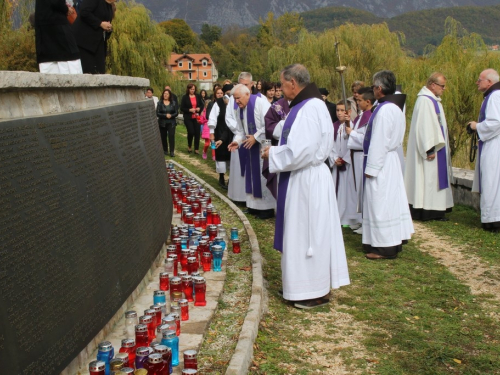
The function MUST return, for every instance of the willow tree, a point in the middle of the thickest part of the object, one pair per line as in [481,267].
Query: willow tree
[138,46]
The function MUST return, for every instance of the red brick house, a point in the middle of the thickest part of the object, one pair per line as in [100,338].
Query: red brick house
[194,67]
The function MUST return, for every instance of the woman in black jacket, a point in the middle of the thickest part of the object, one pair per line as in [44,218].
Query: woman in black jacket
[166,111]
[92,30]
[191,106]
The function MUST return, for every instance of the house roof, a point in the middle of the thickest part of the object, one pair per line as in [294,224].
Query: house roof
[196,58]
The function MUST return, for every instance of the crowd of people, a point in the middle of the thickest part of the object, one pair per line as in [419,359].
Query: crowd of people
[319,165]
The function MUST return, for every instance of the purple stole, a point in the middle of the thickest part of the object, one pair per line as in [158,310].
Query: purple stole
[283,179]
[250,158]
[368,137]
[482,117]
[365,117]
[441,154]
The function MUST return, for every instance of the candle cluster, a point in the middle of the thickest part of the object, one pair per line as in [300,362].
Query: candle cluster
[151,346]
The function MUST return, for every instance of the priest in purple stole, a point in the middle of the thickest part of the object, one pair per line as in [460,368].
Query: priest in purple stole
[308,231]
[487,174]
[387,222]
[428,172]
[248,135]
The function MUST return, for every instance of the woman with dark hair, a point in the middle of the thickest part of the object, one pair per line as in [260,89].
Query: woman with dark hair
[92,30]
[204,96]
[166,111]
[217,94]
[268,91]
[191,107]
[258,86]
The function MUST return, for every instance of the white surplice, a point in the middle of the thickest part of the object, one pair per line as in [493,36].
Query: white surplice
[267,201]
[345,188]
[489,132]
[386,214]
[421,175]
[355,142]
[236,185]
[311,219]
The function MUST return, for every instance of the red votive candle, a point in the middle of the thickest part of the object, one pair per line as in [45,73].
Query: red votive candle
[187,287]
[164,281]
[206,261]
[236,246]
[184,259]
[200,288]
[190,359]
[141,335]
[183,303]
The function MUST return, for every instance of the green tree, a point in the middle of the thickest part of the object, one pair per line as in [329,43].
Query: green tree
[139,47]
[178,29]
[210,33]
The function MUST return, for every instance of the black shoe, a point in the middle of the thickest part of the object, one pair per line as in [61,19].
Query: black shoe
[264,214]
[165,153]
[172,155]
[442,219]
[222,184]
[311,303]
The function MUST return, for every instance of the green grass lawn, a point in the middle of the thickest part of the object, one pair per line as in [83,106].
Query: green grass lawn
[406,316]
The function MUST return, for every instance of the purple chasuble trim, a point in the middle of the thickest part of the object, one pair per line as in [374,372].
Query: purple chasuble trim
[368,137]
[365,117]
[284,178]
[441,154]
[250,158]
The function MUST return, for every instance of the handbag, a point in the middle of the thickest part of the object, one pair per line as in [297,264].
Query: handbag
[71,15]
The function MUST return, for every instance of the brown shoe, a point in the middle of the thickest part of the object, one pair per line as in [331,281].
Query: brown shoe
[373,256]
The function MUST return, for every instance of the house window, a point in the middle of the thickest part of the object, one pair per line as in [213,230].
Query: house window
[204,74]
[204,63]
[189,65]
[180,64]
[190,75]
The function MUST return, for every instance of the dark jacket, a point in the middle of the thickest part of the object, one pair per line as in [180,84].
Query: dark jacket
[53,35]
[222,133]
[162,110]
[87,27]
[186,105]
[332,108]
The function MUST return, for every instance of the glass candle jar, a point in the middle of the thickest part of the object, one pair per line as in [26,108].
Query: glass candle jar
[115,365]
[105,353]
[154,364]
[148,321]
[188,218]
[217,254]
[159,332]
[220,241]
[172,249]
[175,263]
[141,335]
[124,357]
[234,234]
[192,265]
[176,309]
[177,318]
[171,340]
[164,281]
[208,197]
[209,215]
[178,245]
[97,368]
[206,261]
[203,222]
[166,354]
[184,305]
[200,288]
[141,356]
[190,229]
[191,359]
[158,312]
[212,232]
[127,370]
[215,217]
[169,266]
[131,321]
[159,296]
[152,313]
[197,221]
[128,347]
[184,256]
[184,242]
[236,246]
[169,321]
[175,286]
[187,287]
[189,371]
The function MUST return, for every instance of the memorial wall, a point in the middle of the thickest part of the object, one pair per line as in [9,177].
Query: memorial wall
[85,209]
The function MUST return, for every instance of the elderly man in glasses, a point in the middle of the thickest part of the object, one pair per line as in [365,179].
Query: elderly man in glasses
[428,170]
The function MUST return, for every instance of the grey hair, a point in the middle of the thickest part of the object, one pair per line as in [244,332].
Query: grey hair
[386,80]
[492,75]
[241,88]
[245,75]
[298,72]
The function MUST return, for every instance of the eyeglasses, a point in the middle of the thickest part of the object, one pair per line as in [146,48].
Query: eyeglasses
[440,85]
[479,80]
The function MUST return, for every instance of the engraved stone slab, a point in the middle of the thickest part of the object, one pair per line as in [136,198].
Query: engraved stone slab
[85,208]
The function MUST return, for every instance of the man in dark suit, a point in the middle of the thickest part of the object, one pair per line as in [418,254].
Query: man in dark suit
[332,108]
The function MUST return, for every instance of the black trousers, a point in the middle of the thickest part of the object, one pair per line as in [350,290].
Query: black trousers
[193,129]
[168,131]
[94,63]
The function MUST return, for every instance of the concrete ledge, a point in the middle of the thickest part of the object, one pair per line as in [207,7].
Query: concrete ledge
[242,357]
[461,188]
[25,94]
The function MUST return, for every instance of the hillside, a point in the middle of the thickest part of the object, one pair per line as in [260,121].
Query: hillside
[246,13]
[420,28]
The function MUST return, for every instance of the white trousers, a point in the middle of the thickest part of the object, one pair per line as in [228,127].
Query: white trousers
[61,67]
